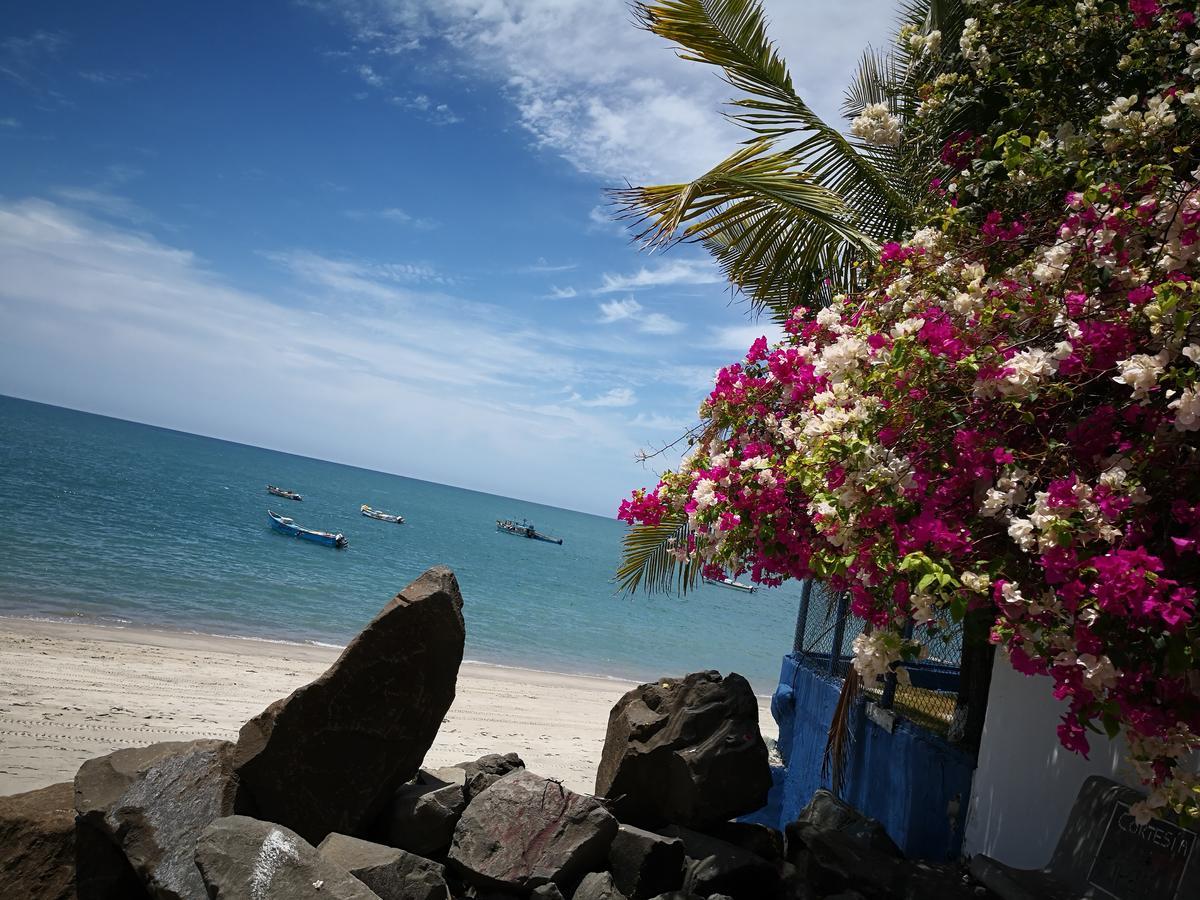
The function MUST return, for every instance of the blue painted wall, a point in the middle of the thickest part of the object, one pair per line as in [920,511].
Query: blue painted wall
[912,781]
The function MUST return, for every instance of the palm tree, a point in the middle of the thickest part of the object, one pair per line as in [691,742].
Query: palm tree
[792,214]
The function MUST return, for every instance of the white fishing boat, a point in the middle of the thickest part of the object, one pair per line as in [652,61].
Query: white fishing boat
[380,515]
[732,584]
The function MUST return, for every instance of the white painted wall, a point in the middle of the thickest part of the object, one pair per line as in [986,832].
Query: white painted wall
[1026,782]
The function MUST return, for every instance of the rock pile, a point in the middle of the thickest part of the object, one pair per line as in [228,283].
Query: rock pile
[322,797]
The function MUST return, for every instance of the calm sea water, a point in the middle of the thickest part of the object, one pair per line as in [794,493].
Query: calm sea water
[117,523]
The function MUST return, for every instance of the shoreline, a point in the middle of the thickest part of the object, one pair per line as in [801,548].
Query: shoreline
[70,691]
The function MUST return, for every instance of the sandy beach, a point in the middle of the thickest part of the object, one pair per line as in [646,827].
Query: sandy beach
[69,692]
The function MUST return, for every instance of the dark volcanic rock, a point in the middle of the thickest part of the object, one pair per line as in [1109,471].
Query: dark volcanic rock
[761,840]
[391,873]
[717,867]
[482,773]
[152,802]
[524,831]
[644,863]
[825,812]
[37,843]
[423,815]
[101,870]
[597,886]
[685,750]
[835,861]
[548,891]
[241,858]
[329,757]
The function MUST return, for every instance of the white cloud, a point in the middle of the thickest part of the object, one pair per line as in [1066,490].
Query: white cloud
[557,293]
[612,311]
[9,122]
[370,76]
[106,203]
[432,110]
[678,271]
[361,366]
[621,396]
[611,99]
[542,266]
[619,310]
[738,338]
[393,214]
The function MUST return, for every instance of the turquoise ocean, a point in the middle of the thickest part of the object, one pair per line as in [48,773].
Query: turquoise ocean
[116,523]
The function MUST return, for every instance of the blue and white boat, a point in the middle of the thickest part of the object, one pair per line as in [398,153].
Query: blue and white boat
[284,525]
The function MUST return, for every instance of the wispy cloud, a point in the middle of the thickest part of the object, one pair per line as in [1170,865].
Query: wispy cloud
[738,338]
[10,122]
[370,76]
[26,61]
[679,271]
[105,203]
[432,110]
[629,310]
[394,215]
[542,266]
[620,396]
[108,78]
[566,67]
[557,293]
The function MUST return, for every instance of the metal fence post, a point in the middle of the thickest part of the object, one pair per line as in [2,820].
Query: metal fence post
[839,633]
[802,616]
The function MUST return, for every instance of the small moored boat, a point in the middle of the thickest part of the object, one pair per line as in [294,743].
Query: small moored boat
[525,530]
[284,525]
[283,492]
[380,515]
[730,583]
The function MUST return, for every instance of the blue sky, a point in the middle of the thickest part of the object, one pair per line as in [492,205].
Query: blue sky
[373,231]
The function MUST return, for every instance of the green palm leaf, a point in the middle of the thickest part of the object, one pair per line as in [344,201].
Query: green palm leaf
[775,232]
[648,563]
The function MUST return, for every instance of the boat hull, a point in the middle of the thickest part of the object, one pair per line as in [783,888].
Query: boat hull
[291,529]
[531,535]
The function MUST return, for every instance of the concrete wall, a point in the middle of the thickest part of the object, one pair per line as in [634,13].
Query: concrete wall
[913,782]
[1026,783]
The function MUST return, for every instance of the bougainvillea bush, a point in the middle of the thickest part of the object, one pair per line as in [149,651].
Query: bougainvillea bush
[1007,420]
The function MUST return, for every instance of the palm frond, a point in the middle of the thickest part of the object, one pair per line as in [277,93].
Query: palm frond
[840,739]
[648,563]
[776,233]
[732,35]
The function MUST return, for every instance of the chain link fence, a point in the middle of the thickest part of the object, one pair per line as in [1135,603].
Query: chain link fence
[825,633]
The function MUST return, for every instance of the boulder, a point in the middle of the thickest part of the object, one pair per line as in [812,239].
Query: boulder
[685,750]
[835,861]
[152,802]
[644,864]
[482,773]
[597,886]
[330,756]
[101,870]
[423,815]
[714,866]
[37,843]
[825,812]
[524,831]
[548,891]
[391,873]
[761,840]
[241,858]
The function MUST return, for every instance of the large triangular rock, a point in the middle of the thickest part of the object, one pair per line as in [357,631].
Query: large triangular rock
[329,757]
[525,831]
[685,750]
[152,803]
[37,843]
[241,858]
